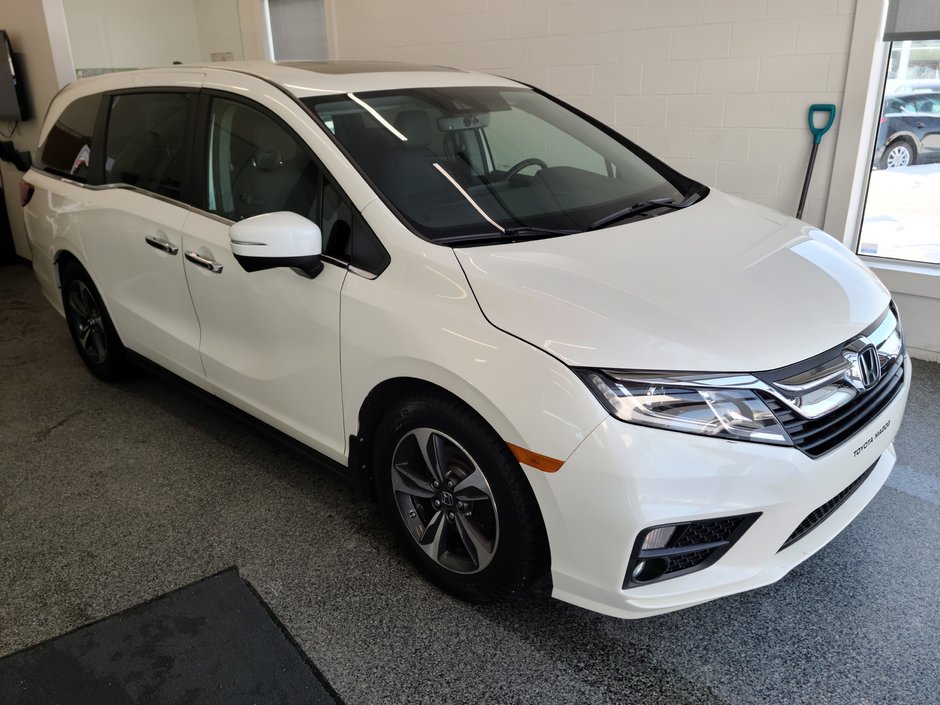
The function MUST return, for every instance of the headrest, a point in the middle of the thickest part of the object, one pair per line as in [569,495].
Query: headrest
[416,126]
[267,159]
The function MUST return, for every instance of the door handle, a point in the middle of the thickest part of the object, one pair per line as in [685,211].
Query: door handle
[203,262]
[161,244]
[920,124]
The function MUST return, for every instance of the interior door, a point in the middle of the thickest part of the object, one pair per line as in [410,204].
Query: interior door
[270,339]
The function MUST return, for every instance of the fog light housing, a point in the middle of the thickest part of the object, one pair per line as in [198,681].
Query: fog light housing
[670,550]
[650,569]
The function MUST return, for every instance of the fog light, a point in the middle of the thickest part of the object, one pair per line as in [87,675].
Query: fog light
[644,571]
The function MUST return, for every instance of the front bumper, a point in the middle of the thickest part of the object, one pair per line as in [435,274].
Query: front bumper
[624,478]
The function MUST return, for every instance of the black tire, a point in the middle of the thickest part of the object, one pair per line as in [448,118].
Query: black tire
[90,325]
[897,154]
[488,536]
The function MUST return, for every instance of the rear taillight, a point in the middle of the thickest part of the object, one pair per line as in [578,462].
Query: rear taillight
[26,193]
[883,120]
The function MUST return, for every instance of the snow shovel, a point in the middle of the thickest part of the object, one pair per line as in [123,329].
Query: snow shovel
[818,133]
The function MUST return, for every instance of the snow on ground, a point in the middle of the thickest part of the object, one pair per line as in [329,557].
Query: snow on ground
[902,215]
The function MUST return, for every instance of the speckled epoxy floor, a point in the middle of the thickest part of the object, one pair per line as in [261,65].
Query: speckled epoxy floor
[112,495]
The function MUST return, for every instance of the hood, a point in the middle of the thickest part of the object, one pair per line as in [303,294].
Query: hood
[721,286]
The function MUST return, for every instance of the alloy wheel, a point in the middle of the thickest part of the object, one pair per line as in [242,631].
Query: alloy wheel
[898,155]
[445,501]
[86,318]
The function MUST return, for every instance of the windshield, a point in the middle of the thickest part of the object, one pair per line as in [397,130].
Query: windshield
[464,164]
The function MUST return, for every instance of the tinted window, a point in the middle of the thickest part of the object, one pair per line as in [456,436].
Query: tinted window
[256,166]
[367,251]
[336,225]
[146,139]
[67,150]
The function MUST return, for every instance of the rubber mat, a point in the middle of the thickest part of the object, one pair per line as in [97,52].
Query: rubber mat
[214,641]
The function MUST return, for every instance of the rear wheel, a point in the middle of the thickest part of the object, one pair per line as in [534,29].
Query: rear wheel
[457,499]
[898,153]
[93,333]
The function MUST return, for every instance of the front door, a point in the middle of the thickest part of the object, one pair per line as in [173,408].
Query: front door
[270,339]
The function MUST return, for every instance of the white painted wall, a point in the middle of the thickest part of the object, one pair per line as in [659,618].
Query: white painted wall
[218,28]
[719,88]
[256,32]
[132,33]
[143,33]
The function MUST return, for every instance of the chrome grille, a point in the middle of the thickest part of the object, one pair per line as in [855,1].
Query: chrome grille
[824,401]
[816,437]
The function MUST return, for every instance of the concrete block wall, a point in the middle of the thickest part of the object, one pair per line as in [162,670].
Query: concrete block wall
[718,88]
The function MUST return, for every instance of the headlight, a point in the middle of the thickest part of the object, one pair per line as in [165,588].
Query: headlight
[736,414]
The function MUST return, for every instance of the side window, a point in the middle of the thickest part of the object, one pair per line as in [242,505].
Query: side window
[256,166]
[926,104]
[67,150]
[145,142]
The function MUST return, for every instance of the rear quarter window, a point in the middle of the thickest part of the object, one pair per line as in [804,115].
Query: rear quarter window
[68,148]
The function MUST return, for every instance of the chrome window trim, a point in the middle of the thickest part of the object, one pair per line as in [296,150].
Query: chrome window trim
[192,209]
[364,273]
[129,187]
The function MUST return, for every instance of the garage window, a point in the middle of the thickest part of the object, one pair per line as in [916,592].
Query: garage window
[902,212]
[901,218]
[298,29]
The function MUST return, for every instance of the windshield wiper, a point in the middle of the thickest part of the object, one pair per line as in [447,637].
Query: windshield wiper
[532,231]
[643,207]
[520,232]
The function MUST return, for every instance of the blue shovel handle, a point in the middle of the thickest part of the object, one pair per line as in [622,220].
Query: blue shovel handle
[818,132]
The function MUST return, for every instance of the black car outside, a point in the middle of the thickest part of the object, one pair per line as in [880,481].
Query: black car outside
[909,131]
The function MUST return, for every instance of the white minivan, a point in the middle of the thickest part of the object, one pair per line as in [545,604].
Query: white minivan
[539,346]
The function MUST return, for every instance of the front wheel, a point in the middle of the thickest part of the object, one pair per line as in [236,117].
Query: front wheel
[93,333]
[898,153]
[457,499]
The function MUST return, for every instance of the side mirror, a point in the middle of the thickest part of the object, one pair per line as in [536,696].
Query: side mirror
[280,239]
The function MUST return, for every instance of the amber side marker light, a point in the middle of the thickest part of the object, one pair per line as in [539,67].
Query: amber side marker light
[535,460]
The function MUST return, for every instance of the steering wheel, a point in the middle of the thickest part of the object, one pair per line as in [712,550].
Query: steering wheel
[531,161]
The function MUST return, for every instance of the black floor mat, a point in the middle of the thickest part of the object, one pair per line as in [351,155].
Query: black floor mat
[214,641]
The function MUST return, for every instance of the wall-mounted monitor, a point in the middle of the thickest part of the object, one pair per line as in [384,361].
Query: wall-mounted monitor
[12,94]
